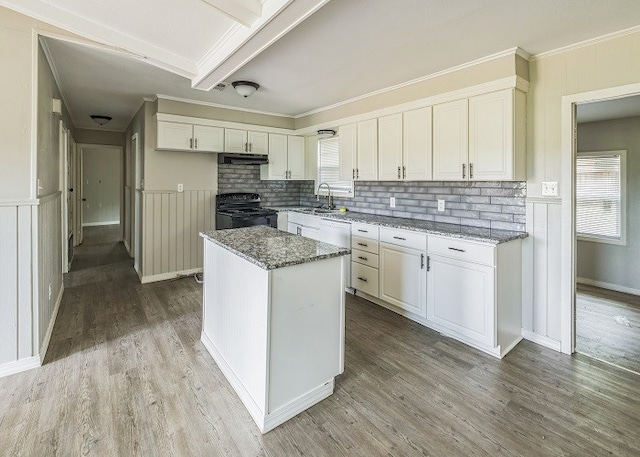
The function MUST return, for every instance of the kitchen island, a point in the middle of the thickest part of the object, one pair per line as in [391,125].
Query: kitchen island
[273,318]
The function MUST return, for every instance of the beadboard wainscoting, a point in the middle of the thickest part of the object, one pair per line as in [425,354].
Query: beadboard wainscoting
[171,225]
[493,204]
[541,272]
[49,255]
[30,261]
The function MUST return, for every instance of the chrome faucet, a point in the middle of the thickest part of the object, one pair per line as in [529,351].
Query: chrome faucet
[329,197]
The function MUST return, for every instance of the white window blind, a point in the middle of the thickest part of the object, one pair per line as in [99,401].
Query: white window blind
[328,166]
[600,196]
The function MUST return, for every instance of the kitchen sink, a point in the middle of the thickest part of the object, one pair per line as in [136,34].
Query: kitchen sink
[318,211]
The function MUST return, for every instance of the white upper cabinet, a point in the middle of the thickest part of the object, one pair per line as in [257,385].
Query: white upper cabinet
[390,148]
[348,147]
[481,138]
[235,140]
[367,155]
[286,158]
[496,136]
[417,149]
[257,142]
[189,137]
[450,141]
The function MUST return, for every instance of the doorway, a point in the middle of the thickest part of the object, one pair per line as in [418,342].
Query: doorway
[569,246]
[102,167]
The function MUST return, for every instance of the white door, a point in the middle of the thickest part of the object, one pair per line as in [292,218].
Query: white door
[258,142]
[277,156]
[347,155]
[68,194]
[417,148]
[403,278]
[174,135]
[295,157]
[367,156]
[450,141]
[207,138]
[390,148]
[235,140]
[460,297]
[491,136]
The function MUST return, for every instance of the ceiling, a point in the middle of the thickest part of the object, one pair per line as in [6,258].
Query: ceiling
[618,108]
[305,54]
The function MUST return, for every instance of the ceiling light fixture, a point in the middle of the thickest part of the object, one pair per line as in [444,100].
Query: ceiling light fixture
[326,133]
[245,88]
[100,119]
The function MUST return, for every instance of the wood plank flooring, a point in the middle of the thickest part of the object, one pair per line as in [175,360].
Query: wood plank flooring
[597,332]
[126,375]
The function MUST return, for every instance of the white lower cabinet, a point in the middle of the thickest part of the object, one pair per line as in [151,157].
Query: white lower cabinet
[460,297]
[403,279]
[364,278]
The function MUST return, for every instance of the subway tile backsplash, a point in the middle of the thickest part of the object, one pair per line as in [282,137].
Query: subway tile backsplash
[492,204]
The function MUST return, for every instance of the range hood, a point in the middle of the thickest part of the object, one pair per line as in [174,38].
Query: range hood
[243,159]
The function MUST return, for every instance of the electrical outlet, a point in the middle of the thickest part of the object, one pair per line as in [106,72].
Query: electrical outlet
[392,202]
[550,189]
[180,188]
[440,205]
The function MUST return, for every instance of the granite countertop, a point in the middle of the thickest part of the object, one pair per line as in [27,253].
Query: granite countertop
[464,232]
[270,248]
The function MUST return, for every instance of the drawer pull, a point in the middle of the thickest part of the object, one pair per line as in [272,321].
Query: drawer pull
[362,258]
[363,231]
[421,261]
[363,244]
[456,249]
[399,238]
[362,279]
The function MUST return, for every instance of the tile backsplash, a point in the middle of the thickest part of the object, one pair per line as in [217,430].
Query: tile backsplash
[491,204]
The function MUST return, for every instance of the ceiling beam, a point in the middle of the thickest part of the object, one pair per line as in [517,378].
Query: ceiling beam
[245,12]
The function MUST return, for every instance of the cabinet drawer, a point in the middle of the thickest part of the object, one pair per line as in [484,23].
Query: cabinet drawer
[462,250]
[365,230]
[364,278]
[414,240]
[364,244]
[365,258]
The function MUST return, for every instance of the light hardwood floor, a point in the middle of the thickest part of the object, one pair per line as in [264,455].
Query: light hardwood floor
[126,375]
[597,332]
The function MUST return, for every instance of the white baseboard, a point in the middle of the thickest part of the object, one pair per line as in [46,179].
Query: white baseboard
[170,275]
[52,321]
[96,224]
[608,285]
[542,340]
[17,366]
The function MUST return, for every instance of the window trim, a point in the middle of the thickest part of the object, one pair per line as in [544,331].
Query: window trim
[323,192]
[622,241]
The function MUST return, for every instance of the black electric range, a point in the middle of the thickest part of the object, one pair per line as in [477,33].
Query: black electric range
[242,209]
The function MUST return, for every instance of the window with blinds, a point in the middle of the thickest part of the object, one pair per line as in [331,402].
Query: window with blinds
[600,199]
[328,167]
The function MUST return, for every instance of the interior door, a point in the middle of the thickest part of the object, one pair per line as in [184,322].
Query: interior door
[137,219]
[70,200]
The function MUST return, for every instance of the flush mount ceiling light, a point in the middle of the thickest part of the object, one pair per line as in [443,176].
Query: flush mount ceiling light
[245,88]
[325,133]
[100,119]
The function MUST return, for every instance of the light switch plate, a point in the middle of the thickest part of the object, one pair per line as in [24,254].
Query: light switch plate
[550,189]
[440,205]
[392,202]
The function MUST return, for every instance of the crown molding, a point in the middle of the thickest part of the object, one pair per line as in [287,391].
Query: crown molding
[585,43]
[218,105]
[489,58]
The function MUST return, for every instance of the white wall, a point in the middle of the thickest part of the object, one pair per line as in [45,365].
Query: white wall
[612,264]
[101,185]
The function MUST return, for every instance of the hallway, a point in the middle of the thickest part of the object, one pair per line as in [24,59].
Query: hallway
[127,375]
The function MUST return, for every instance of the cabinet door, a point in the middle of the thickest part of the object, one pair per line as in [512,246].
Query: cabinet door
[403,278]
[450,141]
[347,155]
[390,148]
[235,140]
[296,157]
[208,139]
[258,142]
[174,135]
[491,123]
[277,165]
[460,297]
[367,156]
[417,150]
